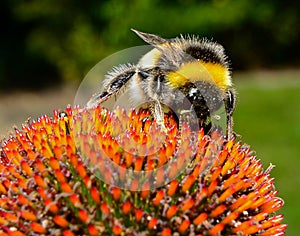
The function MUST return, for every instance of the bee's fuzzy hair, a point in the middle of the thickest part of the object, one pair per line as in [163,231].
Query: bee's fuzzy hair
[117,71]
[205,46]
[180,50]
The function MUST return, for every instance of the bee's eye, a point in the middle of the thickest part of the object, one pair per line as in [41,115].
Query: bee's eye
[144,74]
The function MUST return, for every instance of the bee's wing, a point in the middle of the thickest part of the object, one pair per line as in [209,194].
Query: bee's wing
[170,48]
[115,81]
[151,39]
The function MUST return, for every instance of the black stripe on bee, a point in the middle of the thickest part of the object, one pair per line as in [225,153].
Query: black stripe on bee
[208,52]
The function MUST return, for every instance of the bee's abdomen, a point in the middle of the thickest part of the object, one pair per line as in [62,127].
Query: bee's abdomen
[201,99]
[204,96]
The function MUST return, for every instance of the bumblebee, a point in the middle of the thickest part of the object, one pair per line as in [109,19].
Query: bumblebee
[188,74]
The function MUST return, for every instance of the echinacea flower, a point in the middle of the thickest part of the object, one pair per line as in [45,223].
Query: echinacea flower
[56,179]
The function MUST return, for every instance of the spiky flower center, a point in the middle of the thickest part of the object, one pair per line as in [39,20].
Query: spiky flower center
[56,180]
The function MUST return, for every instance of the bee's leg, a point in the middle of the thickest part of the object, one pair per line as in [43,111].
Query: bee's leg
[97,99]
[229,107]
[189,116]
[184,116]
[114,82]
[158,114]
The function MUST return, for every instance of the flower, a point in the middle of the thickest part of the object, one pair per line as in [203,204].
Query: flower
[58,178]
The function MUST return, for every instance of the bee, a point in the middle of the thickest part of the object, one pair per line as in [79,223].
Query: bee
[190,75]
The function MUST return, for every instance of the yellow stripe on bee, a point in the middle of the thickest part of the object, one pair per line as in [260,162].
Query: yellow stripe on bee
[200,71]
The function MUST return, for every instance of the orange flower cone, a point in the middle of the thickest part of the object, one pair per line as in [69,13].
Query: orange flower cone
[55,179]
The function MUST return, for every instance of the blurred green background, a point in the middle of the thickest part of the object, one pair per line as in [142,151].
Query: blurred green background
[47,47]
